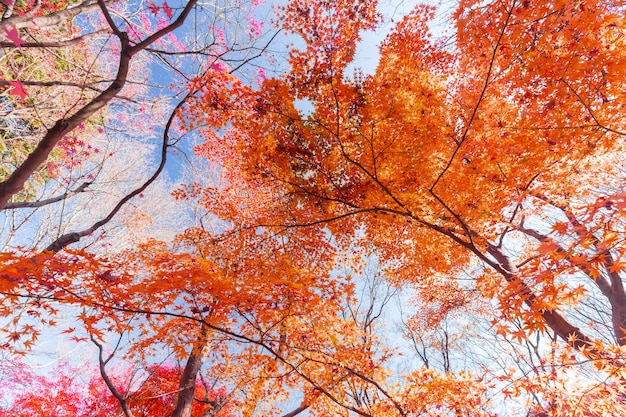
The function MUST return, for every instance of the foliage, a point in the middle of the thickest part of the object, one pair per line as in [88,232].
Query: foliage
[499,159]
[71,391]
[484,176]
[29,111]
[81,99]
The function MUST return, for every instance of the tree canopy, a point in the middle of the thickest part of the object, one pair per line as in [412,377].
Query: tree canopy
[479,175]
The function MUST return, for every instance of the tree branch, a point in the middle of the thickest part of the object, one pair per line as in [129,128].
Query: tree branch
[55,44]
[53,19]
[187,387]
[41,203]
[570,334]
[74,237]
[297,411]
[480,98]
[18,178]
[102,365]
[590,111]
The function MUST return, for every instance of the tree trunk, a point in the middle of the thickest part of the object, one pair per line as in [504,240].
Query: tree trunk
[187,387]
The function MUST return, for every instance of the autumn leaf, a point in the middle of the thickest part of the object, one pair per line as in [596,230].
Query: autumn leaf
[79,339]
[14,37]
[560,228]
[618,266]
[519,335]
[154,8]
[548,247]
[168,10]
[17,89]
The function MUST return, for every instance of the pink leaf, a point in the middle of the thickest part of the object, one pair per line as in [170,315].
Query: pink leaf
[154,8]
[167,9]
[18,89]
[14,37]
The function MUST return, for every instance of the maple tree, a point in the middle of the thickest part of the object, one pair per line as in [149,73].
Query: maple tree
[484,175]
[250,318]
[79,94]
[75,76]
[500,158]
[74,391]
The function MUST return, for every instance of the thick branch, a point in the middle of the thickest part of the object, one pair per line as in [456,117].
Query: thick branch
[296,411]
[613,291]
[600,281]
[73,237]
[8,9]
[217,328]
[187,387]
[167,29]
[18,178]
[41,203]
[118,396]
[502,264]
[566,331]
[52,19]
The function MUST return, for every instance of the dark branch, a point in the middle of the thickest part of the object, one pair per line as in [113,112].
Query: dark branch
[41,203]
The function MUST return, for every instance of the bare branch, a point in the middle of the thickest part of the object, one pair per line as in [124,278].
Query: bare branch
[54,84]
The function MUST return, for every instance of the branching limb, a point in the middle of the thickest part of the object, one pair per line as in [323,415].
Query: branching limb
[77,298]
[553,319]
[18,178]
[590,111]
[107,380]
[612,289]
[74,237]
[41,203]
[53,19]
[297,411]
[480,97]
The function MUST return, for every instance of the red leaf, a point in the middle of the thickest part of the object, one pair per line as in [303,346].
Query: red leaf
[167,9]
[154,8]
[78,339]
[14,37]
[18,89]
